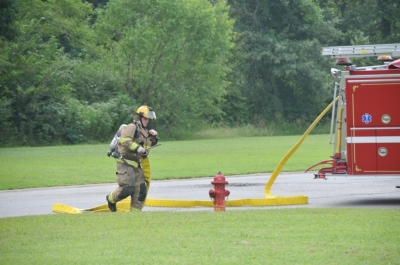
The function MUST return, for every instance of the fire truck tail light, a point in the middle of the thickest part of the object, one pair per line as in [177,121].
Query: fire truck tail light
[385,58]
[343,61]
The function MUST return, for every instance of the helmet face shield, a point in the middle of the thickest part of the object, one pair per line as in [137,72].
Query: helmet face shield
[150,115]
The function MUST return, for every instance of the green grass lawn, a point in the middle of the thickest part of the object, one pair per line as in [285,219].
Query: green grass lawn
[279,236]
[27,167]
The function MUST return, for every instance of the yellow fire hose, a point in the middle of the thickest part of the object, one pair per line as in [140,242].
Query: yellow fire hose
[269,200]
[271,181]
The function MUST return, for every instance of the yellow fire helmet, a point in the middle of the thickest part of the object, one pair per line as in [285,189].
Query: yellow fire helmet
[147,112]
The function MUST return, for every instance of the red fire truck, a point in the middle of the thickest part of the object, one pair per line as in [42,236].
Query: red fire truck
[367,114]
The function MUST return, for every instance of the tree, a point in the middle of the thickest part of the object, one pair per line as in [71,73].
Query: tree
[35,71]
[172,54]
[286,75]
[364,21]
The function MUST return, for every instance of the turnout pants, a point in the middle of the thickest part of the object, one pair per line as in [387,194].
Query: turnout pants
[130,183]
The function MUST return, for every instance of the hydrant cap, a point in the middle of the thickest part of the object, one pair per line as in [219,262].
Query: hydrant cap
[219,179]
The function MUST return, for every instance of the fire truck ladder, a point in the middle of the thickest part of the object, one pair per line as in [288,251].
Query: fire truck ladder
[362,50]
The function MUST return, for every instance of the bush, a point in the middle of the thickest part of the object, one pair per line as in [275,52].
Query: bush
[99,121]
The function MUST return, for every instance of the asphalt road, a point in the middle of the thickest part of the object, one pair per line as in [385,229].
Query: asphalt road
[331,193]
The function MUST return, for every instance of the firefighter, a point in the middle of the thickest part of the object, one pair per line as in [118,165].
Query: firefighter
[133,146]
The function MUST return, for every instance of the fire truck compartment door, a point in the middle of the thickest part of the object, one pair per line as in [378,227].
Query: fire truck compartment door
[388,151]
[374,150]
[362,147]
[373,102]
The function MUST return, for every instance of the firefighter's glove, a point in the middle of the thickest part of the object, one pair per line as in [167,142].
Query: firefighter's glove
[141,150]
[153,137]
[153,132]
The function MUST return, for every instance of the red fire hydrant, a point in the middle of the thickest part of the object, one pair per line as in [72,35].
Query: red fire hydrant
[218,193]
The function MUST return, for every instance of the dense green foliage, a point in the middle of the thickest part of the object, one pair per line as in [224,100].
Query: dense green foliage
[171,55]
[8,12]
[73,71]
[286,77]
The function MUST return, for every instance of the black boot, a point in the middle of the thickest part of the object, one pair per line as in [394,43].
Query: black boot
[111,206]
